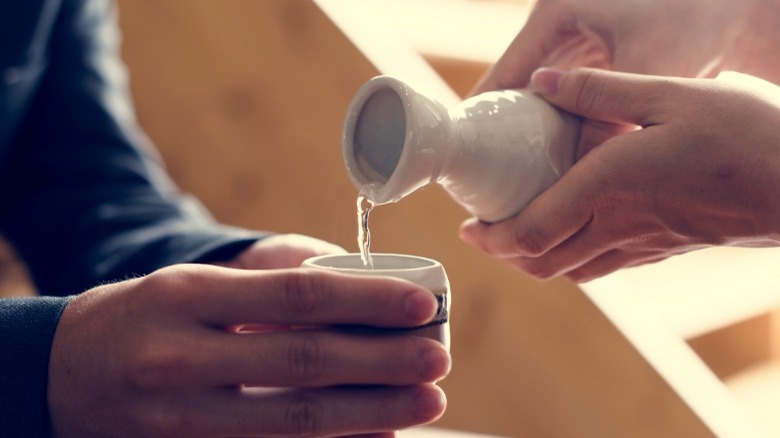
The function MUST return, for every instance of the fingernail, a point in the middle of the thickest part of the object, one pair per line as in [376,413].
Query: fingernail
[420,306]
[430,403]
[545,80]
[435,364]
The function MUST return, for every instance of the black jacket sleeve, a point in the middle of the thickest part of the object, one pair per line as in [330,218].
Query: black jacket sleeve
[26,329]
[83,197]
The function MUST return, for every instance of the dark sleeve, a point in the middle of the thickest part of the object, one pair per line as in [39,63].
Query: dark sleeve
[26,330]
[86,199]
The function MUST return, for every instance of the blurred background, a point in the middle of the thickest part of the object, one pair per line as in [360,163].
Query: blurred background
[245,100]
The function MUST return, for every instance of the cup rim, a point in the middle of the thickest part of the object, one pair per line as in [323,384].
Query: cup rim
[424,263]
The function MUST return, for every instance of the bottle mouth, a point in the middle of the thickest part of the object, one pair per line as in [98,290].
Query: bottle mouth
[374,137]
[378,137]
[393,139]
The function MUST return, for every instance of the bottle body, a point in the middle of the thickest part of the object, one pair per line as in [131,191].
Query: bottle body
[493,153]
[511,146]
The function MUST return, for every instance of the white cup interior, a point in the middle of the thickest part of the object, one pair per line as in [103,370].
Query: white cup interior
[420,270]
[382,262]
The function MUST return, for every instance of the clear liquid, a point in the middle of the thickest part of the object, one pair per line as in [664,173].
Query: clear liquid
[364,206]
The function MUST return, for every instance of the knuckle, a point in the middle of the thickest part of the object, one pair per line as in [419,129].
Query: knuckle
[168,286]
[168,276]
[304,293]
[584,277]
[588,86]
[157,367]
[305,358]
[303,416]
[531,241]
[536,269]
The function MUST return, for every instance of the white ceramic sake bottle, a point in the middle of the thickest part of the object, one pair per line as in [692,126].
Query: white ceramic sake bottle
[493,152]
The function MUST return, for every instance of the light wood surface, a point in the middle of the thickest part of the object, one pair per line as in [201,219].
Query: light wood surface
[666,308]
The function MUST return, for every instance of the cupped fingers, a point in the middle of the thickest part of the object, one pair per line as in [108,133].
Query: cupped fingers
[314,358]
[322,412]
[288,359]
[610,262]
[598,249]
[532,233]
[303,296]
[564,258]
[508,239]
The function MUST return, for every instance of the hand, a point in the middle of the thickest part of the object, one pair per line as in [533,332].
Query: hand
[282,251]
[703,170]
[162,356]
[691,38]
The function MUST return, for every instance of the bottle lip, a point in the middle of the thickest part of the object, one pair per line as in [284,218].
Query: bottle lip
[387,189]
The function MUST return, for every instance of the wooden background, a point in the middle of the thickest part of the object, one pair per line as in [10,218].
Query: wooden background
[245,100]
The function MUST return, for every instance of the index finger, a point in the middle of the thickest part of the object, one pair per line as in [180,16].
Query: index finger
[224,297]
[609,96]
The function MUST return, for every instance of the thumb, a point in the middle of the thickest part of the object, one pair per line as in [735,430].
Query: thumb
[620,98]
